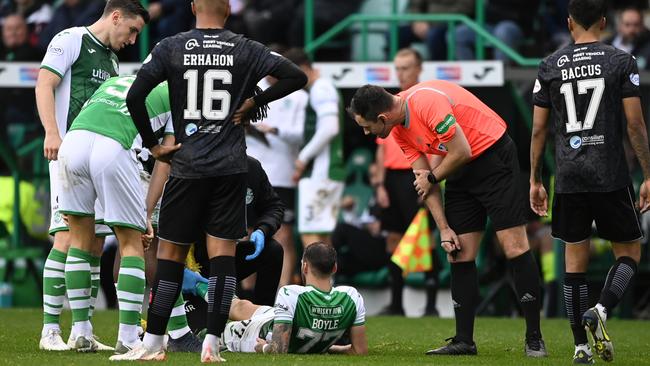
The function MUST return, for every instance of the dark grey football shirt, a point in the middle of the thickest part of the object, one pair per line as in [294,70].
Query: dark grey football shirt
[210,72]
[584,85]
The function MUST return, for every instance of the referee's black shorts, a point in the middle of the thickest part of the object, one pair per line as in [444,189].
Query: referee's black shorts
[616,216]
[193,207]
[489,185]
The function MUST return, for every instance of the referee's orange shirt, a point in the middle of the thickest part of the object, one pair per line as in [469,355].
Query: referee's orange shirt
[435,110]
[393,156]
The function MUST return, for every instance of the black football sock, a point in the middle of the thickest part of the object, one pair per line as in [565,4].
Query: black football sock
[165,290]
[464,295]
[527,284]
[576,297]
[221,288]
[432,280]
[431,288]
[396,286]
[618,279]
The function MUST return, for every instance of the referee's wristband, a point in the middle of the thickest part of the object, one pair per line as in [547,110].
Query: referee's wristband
[432,178]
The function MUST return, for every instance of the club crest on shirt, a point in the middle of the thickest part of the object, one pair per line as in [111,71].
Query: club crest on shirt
[444,125]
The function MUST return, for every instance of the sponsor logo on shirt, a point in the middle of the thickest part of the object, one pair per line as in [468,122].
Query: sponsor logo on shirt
[562,60]
[575,142]
[325,311]
[634,78]
[191,44]
[443,126]
[191,129]
[55,50]
[449,73]
[91,51]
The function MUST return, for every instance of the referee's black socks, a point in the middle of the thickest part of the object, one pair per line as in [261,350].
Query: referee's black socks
[528,283]
[221,288]
[464,295]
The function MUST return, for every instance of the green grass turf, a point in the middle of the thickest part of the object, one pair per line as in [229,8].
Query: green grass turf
[392,341]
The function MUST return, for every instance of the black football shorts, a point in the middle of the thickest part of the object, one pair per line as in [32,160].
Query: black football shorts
[616,216]
[490,185]
[215,206]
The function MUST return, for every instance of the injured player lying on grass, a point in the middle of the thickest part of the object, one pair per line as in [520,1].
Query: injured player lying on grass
[305,319]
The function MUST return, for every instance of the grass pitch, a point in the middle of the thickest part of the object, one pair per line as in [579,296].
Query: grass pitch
[392,341]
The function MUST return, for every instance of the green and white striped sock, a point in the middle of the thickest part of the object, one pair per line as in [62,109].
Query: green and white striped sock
[78,284]
[130,294]
[177,326]
[53,289]
[94,281]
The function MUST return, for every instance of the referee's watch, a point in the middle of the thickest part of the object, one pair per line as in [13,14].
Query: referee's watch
[432,178]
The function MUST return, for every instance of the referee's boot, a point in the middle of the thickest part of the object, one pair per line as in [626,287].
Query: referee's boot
[454,347]
[535,347]
[594,323]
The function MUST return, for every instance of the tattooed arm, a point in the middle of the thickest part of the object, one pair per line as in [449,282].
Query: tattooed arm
[279,342]
[636,131]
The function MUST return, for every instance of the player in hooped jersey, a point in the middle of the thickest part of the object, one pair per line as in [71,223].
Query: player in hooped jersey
[78,60]
[305,319]
[590,86]
[481,170]
[212,75]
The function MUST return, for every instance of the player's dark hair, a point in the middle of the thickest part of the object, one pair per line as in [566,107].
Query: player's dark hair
[129,7]
[259,112]
[369,101]
[321,256]
[587,12]
[298,56]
